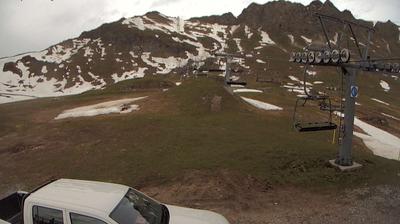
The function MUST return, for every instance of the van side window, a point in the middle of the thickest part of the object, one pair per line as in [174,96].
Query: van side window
[42,215]
[83,219]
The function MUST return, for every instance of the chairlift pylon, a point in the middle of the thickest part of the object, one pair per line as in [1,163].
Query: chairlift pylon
[267,71]
[349,69]
[228,70]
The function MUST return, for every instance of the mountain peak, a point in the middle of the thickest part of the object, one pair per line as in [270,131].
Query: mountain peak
[156,14]
[158,44]
[316,3]
[153,13]
[328,5]
[224,19]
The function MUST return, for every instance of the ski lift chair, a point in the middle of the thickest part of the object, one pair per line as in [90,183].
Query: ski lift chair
[302,126]
[243,83]
[236,82]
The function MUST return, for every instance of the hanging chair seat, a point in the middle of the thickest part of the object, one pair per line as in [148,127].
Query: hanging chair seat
[312,97]
[325,104]
[315,126]
[216,70]
[236,83]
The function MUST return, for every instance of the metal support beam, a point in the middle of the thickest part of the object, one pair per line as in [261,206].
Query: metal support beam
[228,68]
[366,53]
[356,41]
[332,18]
[325,33]
[344,157]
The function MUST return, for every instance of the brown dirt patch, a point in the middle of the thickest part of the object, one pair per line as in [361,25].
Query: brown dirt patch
[244,199]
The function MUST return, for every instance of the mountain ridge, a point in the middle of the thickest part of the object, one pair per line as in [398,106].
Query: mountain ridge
[157,44]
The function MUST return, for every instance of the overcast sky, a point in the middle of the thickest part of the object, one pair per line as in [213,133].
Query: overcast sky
[31,25]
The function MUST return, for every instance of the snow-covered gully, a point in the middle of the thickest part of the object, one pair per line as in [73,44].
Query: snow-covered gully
[117,106]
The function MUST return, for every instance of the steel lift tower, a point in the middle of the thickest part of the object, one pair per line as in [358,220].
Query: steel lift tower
[229,59]
[329,56]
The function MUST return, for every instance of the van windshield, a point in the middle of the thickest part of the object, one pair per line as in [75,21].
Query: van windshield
[137,208]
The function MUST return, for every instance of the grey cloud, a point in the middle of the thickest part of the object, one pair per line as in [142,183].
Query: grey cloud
[36,24]
[159,3]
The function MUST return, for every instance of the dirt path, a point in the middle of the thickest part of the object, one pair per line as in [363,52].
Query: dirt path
[245,200]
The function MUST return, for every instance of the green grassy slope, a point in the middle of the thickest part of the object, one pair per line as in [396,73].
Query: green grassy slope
[175,132]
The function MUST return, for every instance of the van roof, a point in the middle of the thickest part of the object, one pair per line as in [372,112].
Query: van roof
[100,196]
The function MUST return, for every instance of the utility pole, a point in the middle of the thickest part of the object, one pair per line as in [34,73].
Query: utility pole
[228,68]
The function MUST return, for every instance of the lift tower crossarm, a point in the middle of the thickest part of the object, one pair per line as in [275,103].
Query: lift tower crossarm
[343,21]
[349,24]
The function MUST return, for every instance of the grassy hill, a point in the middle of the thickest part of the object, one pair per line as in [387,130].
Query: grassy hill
[174,133]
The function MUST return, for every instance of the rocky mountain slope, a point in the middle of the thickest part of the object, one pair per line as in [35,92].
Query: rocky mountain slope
[157,44]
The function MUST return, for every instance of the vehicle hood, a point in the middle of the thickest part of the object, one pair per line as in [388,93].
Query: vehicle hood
[179,215]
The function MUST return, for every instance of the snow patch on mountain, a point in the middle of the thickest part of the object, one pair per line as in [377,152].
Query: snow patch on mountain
[88,52]
[260,61]
[385,86]
[265,39]
[380,101]
[296,89]
[168,63]
[391,116]
[116,106]
[234,28]
[79,69]
[247,91]
[307,40]
[29,85]
[291,38]
[146,59]
[260,104]
[44,69]
[379,141]
[335,39]
[311,73]
[129,75]
[237,40]
[294,78]
[144,22]
[247,31]
[59,53]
